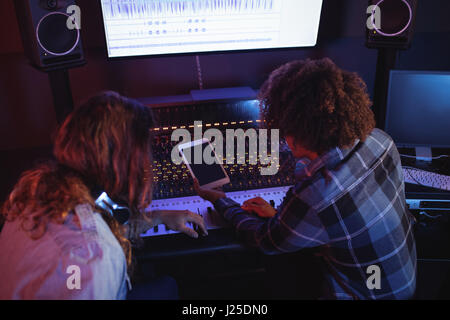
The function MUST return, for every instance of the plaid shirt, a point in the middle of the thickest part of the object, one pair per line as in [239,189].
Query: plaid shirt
[350,204]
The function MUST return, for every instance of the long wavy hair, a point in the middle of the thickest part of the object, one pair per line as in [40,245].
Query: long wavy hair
[105,143]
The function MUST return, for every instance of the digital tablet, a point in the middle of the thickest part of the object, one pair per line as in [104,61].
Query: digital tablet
[208,175]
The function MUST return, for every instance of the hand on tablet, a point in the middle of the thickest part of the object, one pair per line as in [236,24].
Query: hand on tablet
[177,220]
[259,206]
[211,195]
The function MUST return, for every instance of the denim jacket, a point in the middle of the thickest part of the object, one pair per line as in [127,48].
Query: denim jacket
[66,263]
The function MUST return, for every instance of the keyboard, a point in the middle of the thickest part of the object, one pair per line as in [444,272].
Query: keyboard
[426,178]
[213,220]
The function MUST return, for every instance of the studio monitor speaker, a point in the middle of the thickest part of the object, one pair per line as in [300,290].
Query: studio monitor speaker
[391,23]
[51,33]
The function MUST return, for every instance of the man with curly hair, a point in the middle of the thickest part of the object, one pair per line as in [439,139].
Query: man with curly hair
[349,199]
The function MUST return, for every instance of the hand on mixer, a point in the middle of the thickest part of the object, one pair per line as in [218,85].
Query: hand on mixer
[260,207]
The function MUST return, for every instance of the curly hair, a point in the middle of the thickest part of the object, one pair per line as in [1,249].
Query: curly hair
[104,143]
[318,104]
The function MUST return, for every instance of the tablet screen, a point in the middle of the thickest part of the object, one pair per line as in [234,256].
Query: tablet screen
[205,173]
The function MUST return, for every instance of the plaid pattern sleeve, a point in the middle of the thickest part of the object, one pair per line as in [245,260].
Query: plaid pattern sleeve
[350,204]
[295,226]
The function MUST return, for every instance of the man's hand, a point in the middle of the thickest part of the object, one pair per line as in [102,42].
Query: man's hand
[211,195]
[259,206]
[177,220]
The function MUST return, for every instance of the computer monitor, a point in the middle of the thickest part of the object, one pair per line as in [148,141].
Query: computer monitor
[160,27]
[418,109]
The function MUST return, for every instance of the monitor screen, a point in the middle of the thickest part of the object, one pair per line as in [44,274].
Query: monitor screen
[418,110]
[158,27]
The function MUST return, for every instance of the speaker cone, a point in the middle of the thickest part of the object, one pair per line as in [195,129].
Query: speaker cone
[54,36]
[396,17]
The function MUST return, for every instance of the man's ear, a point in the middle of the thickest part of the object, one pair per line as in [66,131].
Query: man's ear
[298,150]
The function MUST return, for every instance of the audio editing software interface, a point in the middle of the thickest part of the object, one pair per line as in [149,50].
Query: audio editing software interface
[156,27]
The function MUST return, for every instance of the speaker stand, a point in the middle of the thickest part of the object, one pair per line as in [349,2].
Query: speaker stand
[387,58]
[62,93]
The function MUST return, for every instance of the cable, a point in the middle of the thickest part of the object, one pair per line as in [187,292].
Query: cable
[434,260]
[433,158]
[423,213]
[199,72]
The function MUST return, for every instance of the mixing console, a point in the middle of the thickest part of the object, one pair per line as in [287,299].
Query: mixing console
[174,181]
[204,208]
[173,189]
[173,184]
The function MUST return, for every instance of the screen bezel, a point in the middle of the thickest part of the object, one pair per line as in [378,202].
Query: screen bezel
[192,144]
[202,53]
[388,104]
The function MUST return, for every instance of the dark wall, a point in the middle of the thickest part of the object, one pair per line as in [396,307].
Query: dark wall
[27,117]
[430,49]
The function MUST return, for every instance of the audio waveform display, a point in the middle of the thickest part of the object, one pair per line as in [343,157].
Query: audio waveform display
[138,9]
[158,27]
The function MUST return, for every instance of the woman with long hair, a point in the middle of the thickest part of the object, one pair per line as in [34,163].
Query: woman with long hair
[57,242]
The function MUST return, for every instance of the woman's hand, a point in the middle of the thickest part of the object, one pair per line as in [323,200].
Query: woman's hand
[211,195]
[177,220]
[259,206]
